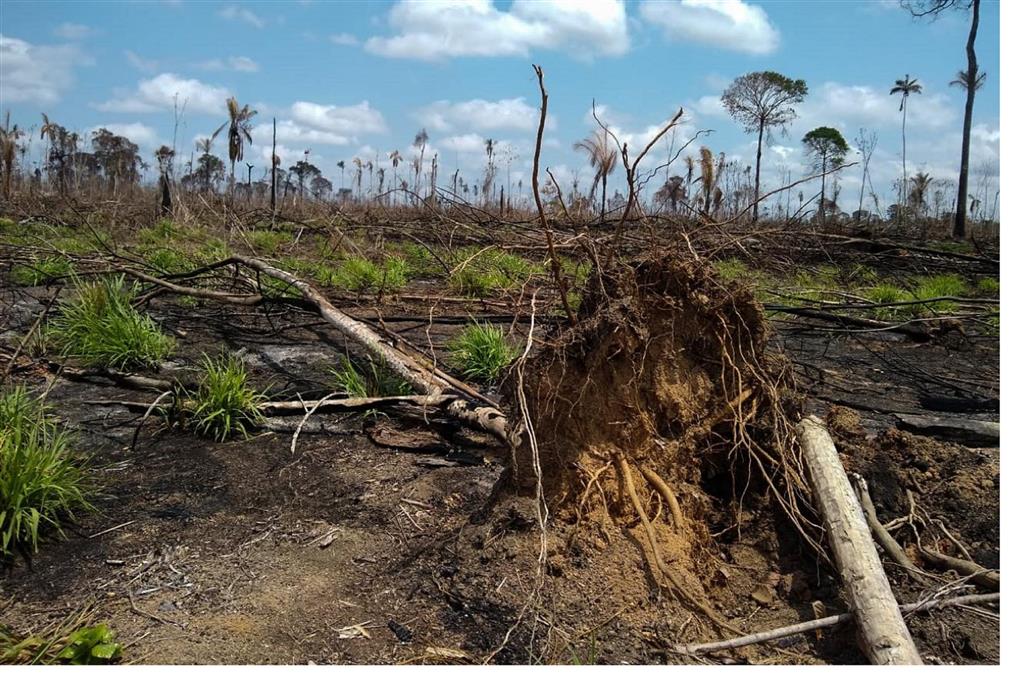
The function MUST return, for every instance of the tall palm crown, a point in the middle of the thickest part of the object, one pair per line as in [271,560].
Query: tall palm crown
[905,87]
[239,131]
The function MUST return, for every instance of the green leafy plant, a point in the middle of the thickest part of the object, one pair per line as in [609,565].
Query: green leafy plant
[100,326]
[95,645]
[41,481]
[225,403]
[481,352]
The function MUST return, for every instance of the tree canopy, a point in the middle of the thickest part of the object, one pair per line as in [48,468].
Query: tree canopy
[825,147]
[763,100]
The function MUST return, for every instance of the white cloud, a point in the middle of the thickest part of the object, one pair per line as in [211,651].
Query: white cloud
[852,106]
[36,73]
[159,93]
[289,156]
[290,131]
[454,28]
[711,106]
[72,32]
[236,13]
[345,120]
[730,24]
[141,64]
[637,139]
[478,114]
[143,135]
[238,63]
[344,39]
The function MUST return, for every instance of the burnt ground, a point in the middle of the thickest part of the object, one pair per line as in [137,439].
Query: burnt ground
[353,552]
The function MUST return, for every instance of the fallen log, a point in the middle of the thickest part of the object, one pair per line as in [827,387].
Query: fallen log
[830,621]
[882,634]
[976,574]
[969,431]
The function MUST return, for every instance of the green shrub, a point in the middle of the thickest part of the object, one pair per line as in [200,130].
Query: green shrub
[225,403]
[41,482]
[371,379]
[41,271]
[90,646]
[481,352]
[100,326]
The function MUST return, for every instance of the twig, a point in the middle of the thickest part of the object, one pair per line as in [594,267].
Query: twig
[112,528]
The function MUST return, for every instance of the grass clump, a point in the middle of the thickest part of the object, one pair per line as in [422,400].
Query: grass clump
[100,326]
[481,352]
[268,242]
[361,275]
[225,403]
[167,260]
[888,293]
[988,286]
[732,269]
[41,271]
[937,286]
[372,379]
[41,482]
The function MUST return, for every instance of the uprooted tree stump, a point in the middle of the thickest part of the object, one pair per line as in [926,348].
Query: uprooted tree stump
[666,377]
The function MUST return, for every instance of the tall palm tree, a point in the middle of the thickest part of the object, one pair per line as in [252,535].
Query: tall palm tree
[9,135]
[420,141]
[396,158]
[917,198]
[905,87]
[602,159]
[358,163]
[239,132]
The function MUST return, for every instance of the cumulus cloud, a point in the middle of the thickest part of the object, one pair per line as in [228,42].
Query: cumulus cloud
[159,93]
[476,28]
[36,73]
[290,131]
[730,24]
[72,32]
[637,138]
[234,13]
[346,120]
[143,135]
[238,63]
[852,106]
[478,114]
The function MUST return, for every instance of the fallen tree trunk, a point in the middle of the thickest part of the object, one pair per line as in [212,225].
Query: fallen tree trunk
[981,433]
[982,576]
[881,631]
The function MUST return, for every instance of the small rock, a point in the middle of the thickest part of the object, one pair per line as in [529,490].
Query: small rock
[401,632]
[763,595]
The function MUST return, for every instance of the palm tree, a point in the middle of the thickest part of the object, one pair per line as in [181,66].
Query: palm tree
[602,159]
[396,158]
[905,87]
[239,132]
[358,163]
[420,141]
[918,190]
[9,135]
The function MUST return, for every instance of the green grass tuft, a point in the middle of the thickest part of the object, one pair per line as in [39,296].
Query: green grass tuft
[41,482]
[41,271]
[269,242]
[371,379]
[481,352]
[888,293]
[225,403]
[929,287]
[988,286]
[100,326]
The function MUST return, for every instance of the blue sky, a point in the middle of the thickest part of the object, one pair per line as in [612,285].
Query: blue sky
[348,79]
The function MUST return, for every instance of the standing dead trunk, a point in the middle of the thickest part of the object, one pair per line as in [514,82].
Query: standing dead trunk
[960,221]
[881,632]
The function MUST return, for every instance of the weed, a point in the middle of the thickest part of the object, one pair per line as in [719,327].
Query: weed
[64,642]
[481,352]
[41,271]
[473,283]
[359,275]
[40,480]
[100,326]
[732,269]
[421,264]
[225,403]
